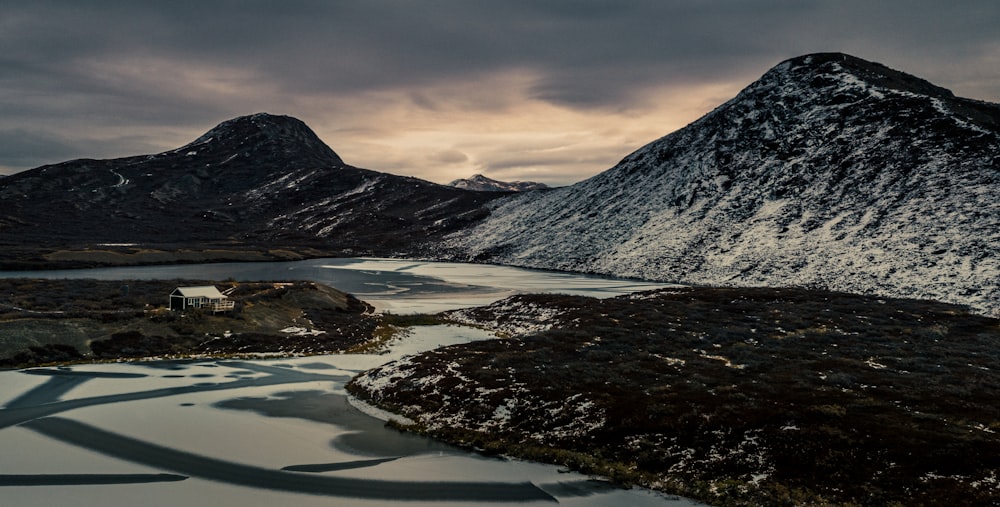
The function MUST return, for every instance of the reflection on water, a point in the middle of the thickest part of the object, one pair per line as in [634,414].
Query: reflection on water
[300,437]
[137,451]
[363,434]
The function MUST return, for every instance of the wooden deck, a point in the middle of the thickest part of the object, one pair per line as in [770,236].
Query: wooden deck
[220,306]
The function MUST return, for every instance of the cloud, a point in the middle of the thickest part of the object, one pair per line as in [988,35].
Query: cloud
[557,89]
[518,136]
[26,147]
[21,146]
[448,157]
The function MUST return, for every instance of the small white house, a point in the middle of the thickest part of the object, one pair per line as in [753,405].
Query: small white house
[206,297]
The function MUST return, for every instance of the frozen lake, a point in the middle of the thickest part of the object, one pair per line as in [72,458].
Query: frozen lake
[395,285]
[272,432]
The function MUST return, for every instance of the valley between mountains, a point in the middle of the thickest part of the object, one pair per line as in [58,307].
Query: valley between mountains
[835,224]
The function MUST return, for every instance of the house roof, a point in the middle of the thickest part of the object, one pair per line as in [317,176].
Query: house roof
[206,291]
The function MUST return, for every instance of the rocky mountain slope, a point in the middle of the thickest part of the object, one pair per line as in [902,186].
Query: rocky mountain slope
[829,171]
[481,183]
[260,180]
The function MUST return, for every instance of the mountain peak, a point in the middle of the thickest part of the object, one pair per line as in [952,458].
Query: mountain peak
[818,70]
[481,183]
[265,134]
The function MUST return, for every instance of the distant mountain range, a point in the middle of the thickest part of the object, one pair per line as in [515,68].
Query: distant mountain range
[829,171]
[481,183]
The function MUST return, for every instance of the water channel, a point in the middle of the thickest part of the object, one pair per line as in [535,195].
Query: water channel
[278,431]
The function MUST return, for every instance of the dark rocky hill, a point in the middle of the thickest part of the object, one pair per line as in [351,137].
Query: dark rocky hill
[258,181]
[829,171]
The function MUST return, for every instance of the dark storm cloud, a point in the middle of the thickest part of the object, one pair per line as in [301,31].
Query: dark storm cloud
[68,67]
[588,52]
[22,147]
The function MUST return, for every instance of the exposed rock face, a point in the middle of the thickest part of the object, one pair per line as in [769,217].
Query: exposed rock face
[260,180]
[481,183]
[829,171]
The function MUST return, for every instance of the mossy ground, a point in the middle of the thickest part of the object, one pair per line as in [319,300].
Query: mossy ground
[733,396]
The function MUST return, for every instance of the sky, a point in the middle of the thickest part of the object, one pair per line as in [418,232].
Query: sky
[552,91]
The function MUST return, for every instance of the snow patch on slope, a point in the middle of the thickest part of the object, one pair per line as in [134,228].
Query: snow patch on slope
[513,317]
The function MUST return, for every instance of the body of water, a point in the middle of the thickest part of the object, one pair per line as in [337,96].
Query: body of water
[398,286]
[279,431]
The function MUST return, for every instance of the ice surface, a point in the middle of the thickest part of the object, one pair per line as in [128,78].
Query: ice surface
[231,418]
[196,423]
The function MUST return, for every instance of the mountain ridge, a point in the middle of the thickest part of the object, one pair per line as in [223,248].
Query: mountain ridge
[262,131]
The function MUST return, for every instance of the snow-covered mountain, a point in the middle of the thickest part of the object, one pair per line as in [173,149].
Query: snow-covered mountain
[829,171]
[481,183]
